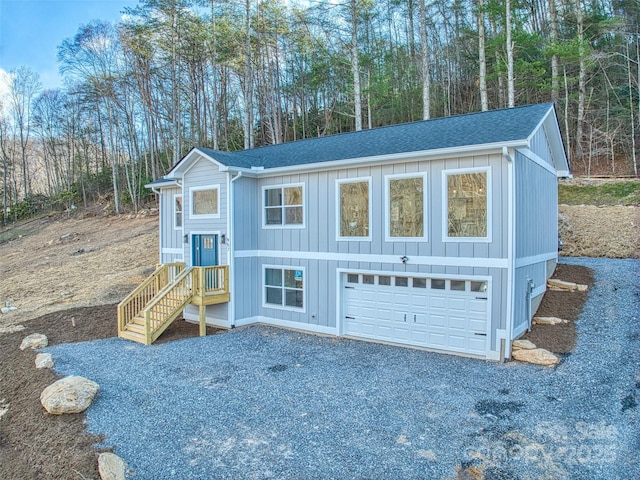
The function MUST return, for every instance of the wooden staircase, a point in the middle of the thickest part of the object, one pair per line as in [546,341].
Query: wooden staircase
[161,298]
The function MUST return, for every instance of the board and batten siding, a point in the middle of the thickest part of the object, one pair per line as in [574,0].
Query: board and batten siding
[536,194]
[536,237]
[321,310]
[205,173]
[540,145]
[319,234]
[317,241]
[171,243]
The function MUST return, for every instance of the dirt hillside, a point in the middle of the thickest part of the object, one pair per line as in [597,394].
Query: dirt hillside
[55,263]
[591,231]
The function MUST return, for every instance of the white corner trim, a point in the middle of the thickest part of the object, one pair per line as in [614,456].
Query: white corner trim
[526,261]
[535,158]
[371,258]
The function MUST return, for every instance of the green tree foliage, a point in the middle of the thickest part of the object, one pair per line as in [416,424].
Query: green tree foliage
[174,74]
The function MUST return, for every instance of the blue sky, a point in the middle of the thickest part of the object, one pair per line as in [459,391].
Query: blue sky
[31,30]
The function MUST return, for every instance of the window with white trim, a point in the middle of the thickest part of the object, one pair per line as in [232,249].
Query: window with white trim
[354,209]
[467,205]
[284,287]
[405,207]
[177,212]
[205,201]
[283,206]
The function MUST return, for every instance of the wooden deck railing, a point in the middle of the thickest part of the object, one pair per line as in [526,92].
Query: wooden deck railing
[137,300]
[167,305]
[162,297]
[210,280]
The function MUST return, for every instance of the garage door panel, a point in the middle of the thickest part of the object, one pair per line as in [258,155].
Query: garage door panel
[436,318]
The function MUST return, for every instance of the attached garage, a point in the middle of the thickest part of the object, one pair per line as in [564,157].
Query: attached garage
[449,314]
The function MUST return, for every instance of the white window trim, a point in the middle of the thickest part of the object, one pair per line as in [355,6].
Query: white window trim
[445,205]
[284,225]
[339,182]
[208,215]
[387,207]
[284,307]
[173,207]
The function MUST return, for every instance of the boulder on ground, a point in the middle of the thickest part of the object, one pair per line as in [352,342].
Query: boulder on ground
[523,345]
[538,356]
[547,320]
[111,466]
[561,285]
[44,360]
[69,395]
[35,340]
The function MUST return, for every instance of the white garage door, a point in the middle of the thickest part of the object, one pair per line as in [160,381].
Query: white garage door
[429,312]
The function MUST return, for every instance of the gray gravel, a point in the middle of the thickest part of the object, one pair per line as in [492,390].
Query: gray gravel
[261,402]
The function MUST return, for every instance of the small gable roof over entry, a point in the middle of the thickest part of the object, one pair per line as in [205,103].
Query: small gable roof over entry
[512,127]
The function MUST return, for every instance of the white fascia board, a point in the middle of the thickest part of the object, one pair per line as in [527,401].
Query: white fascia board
[173,183]
[195,154]
[550,121]
[390,158]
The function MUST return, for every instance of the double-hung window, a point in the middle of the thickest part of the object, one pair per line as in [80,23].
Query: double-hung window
[405,207]
[205,201]
[284,287]
[177,212]
[283,206]
[353,204]
[467,215]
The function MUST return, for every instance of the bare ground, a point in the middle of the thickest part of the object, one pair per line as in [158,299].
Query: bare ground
[58,269]
[590,231]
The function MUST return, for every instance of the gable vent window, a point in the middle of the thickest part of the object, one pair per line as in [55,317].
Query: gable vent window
[284,206]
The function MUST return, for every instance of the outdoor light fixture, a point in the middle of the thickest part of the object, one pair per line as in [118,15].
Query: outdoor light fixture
[404,259]
[186,238]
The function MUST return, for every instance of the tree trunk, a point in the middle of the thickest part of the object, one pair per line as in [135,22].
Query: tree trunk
[555,75]
[355,66]
[424,54]
[482,60]
[510,80]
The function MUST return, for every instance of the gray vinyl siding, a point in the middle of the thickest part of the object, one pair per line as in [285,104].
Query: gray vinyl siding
[536,193]
[205,173]
[540,146]
[170,237]
[537,273]
[319,235]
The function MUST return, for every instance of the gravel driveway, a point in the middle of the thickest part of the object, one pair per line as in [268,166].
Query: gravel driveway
[261,402]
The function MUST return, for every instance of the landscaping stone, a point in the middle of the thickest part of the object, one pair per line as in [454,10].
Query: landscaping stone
[69,395]
[523,345]
[561,285]
[35,340]
[537,356]
[44,360]
[111,466]
[547,320]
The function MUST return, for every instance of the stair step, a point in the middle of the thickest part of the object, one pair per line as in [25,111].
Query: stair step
[129,335]
[135,327]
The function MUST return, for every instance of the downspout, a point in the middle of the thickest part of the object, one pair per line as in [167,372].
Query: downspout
[505,347]
[232,256]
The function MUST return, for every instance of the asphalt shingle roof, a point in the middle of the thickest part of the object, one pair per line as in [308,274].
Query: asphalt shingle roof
[478,128]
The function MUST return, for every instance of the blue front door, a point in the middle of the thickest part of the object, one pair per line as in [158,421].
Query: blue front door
[205,250]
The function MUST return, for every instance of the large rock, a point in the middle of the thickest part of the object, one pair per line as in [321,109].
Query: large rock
[547,320]
[69,395]
[111,466]
[35,340]
[561,285]
[523,345]
[44,360]
[538,356]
